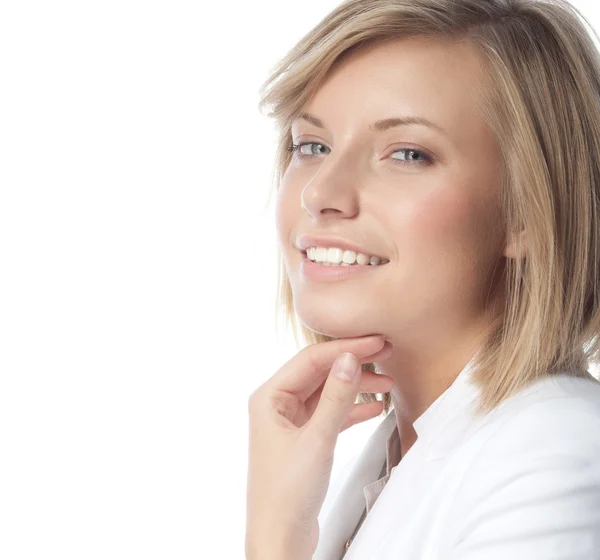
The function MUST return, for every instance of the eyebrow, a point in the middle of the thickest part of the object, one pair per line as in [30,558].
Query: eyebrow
[384,124]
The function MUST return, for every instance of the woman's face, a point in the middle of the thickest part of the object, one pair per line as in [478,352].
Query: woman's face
[425,198]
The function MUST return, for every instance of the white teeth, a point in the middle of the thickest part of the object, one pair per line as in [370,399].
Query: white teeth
[362,259]
[336,256]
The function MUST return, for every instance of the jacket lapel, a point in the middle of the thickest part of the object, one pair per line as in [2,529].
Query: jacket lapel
[345,500]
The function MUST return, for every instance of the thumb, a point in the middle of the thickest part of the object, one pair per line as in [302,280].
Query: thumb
[337,397]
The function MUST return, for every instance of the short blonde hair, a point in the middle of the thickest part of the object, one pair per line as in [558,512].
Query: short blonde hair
[541,98]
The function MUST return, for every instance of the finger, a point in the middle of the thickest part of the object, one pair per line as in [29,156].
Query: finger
[370,382]
[310,367]
[337,400]
[361,413]
[381,355]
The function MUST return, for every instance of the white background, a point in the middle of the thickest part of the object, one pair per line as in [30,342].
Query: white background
[137,272]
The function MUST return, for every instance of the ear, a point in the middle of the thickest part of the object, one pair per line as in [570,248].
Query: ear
[516,246]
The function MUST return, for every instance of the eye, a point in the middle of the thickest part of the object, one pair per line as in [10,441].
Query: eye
[297,149]
[411,152]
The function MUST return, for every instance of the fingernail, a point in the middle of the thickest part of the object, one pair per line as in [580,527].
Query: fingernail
[346,366]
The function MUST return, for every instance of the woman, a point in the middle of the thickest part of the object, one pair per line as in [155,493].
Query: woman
[440,159]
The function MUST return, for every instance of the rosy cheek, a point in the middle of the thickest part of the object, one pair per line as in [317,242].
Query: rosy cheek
[433,227]
[426,217]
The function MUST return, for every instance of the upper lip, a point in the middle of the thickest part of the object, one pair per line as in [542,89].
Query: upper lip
[305,241]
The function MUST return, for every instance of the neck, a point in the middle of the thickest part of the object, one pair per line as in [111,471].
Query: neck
[421,377]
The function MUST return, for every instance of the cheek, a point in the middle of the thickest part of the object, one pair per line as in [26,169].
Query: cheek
[288,220]
[442,239]
[283,212]
[437,223]
[446,238]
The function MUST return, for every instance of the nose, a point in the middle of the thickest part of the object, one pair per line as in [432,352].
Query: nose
[332,190]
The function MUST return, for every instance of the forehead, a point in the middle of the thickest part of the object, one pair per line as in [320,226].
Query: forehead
[437,79]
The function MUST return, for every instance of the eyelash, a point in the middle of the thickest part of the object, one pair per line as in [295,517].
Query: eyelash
[428,160]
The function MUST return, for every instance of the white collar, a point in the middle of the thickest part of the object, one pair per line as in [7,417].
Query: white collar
[449,415]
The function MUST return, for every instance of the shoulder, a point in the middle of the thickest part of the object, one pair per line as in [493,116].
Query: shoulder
[558,414]
[555,422]
[535,482]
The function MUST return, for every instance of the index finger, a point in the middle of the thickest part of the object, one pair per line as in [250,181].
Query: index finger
[310,367]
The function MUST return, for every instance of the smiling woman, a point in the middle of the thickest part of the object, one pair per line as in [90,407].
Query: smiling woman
[458,140]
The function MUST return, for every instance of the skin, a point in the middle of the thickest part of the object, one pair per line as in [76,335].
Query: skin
[432,220]
[295,418]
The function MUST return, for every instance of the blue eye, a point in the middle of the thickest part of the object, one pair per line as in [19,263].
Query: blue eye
[296,148]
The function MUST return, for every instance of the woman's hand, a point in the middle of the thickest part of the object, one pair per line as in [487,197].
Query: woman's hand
[295,418]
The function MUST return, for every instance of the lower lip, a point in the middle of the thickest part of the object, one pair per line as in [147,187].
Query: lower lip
[317,271]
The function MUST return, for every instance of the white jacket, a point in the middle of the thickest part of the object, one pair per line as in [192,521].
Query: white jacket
[522,483]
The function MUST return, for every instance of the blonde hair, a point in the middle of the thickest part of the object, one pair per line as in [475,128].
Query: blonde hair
[541,98]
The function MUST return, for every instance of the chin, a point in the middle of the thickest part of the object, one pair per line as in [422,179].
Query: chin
[332,321]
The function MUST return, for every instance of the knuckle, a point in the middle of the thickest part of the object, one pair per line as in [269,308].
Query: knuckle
[253,400]
[334,398]
[308,353]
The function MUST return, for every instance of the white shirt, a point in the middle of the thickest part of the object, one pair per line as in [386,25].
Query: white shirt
[521,483]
